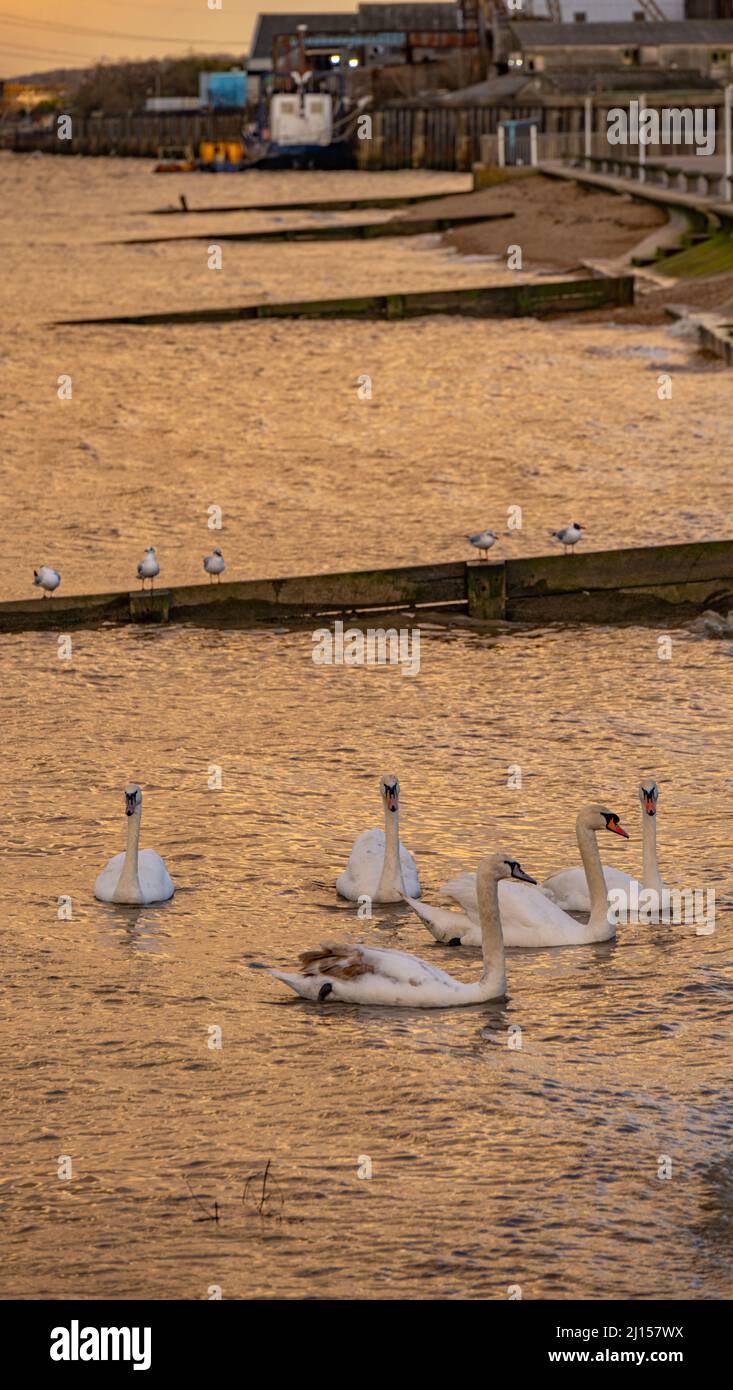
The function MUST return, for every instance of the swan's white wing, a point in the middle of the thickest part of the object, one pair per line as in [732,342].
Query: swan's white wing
[410,876]
[369,975]
[445,925]
[109,877]
[155,881]
[569,888]
[364,869]
[463,890]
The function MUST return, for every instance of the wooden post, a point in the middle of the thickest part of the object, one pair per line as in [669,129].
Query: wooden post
[376,151]
[463,142]
[486,585]
[727,190]
[418,141]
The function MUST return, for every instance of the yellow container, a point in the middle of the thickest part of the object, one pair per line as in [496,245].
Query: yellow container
[206,152]
[235,150]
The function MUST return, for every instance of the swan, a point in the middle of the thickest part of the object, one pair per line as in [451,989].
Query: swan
[569,888]
[368,975]
[529,918]
[379,866]
[148,567]
[136,876]
[47,579]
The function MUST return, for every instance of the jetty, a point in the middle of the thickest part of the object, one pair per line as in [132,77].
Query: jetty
[528,298]
[345,231]
[665,584]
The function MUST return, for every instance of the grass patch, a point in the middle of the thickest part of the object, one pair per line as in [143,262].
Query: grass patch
[711,257]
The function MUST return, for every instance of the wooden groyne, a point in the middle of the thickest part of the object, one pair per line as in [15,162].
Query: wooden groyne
[327,205]
[656,584]
[492,301]
[355,231]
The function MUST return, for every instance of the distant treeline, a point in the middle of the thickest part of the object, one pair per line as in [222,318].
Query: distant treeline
[119,87]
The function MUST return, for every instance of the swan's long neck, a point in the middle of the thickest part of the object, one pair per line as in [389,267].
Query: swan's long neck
[591,858]
[128,882]
[391,880]
[493,980]
[650,876]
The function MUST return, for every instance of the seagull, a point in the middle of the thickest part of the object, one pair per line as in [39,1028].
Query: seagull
[568,536]
[214,564]
[483,540]
[47,579]
[149,567]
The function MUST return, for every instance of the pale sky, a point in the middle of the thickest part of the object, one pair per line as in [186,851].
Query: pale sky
[36,35]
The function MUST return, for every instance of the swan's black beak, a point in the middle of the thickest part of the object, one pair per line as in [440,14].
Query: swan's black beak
[518,872]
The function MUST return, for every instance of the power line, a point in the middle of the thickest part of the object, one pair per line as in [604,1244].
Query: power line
[7,18]
[43,52]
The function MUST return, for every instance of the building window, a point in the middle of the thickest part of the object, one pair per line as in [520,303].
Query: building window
[639,16]
[580,16]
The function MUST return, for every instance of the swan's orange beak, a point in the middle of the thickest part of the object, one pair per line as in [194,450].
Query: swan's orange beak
[650,805]
[615,825]
[392,796]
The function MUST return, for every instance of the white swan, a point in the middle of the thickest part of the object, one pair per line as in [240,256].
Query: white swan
[135,876]
[379,866]
[569,888]
[529,918]
[367,975]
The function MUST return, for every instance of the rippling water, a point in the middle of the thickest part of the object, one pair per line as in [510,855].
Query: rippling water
[491,1166]
[465,420]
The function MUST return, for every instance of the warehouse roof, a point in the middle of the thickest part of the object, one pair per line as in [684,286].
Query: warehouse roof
[268,26]
[708,32]
[413,17]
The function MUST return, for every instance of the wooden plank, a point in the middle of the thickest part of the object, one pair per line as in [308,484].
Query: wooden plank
[248,601]
[354,232]
[493,301]
[667,604]
[328,205]
[646,584]
[649,566]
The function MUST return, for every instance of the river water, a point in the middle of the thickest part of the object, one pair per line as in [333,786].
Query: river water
[491,1166]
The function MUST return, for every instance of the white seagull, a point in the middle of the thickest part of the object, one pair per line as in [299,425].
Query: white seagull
[483,541]
[568,536]
[214,564]
[149,567]
[47,579]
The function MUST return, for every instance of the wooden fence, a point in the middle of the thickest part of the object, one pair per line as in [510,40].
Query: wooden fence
[141,133]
